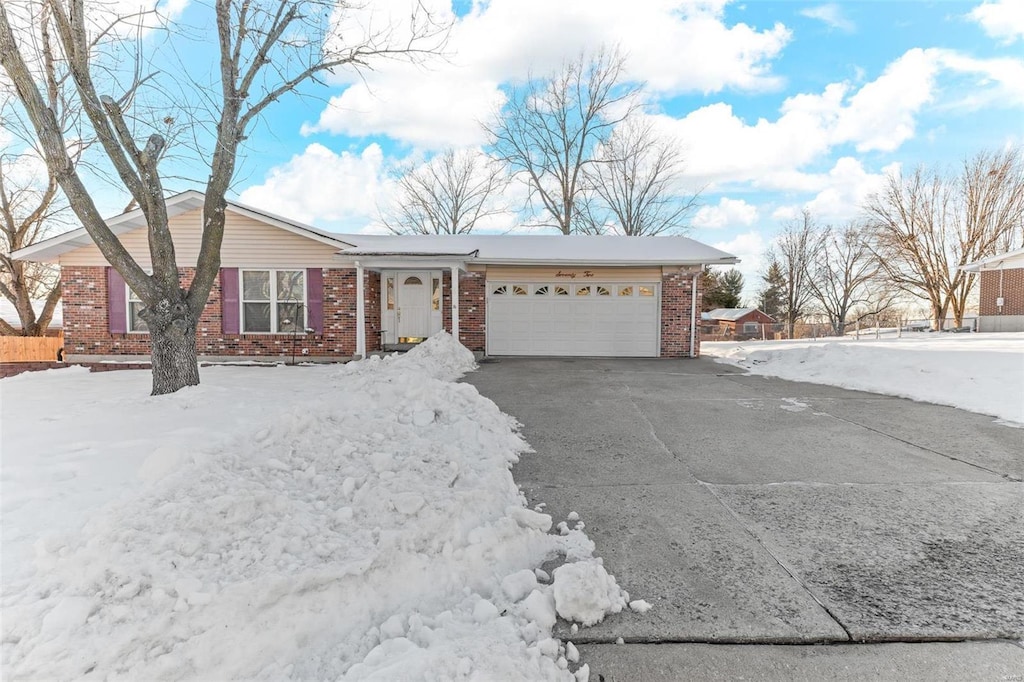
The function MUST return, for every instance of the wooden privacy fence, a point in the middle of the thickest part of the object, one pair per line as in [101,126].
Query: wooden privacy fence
[29,348]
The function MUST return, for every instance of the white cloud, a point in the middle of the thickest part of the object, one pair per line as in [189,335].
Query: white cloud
[998,82]
[673,45]
[727,213]
[831,14]
[1002,19]
[848,184]
[749,247]
[323,187]
[881,115]
[838,194]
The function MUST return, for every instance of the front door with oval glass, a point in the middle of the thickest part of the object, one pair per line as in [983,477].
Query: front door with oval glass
[417,305]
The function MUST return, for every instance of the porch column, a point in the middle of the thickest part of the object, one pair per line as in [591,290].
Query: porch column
[455,303]
[360,313]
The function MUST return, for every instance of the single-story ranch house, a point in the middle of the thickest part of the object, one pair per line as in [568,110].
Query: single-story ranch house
[339,296]
[1001,299]
[738,323]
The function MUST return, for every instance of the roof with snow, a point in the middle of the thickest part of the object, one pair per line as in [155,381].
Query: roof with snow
[1010,259]
[480,248]
[729,314]
[534,248]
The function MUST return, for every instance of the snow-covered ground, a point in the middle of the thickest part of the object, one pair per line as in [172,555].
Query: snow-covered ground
[978,372]
[355,522]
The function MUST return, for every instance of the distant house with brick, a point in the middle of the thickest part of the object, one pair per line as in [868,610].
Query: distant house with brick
[340,296]
[736,323]
[1001,296]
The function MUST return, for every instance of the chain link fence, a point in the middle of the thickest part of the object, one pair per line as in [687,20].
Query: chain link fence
[778,331]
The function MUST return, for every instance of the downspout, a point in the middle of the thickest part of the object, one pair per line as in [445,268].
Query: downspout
[693,315]
[360,313]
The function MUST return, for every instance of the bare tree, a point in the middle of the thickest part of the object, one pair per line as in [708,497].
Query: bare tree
[907,220]
[794,252]
[31,204]
[635,186]
[266,50]
[27,212]
[449,194]
[989,214]
[925,226]
[550,128]
[842,273]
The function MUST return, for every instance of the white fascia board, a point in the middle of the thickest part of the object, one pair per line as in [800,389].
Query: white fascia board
[606,263]
[394,263]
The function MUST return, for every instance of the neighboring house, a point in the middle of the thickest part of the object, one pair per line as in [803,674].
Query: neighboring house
[355,294]
[1001,299]
[738,323]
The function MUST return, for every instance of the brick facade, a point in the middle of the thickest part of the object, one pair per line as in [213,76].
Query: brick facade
[1013,292]
[676,314]
[86,323]
[472,310]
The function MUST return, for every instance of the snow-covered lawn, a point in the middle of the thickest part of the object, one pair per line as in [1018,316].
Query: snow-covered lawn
[978,372]
[355,522]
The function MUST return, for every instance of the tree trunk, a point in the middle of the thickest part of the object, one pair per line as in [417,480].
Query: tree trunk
[172,338]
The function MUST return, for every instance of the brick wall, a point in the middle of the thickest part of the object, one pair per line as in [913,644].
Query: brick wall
[1013,292]
[676,299]
[86,327]
[472,310]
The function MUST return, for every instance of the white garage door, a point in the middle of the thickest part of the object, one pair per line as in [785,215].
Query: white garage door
[619,319]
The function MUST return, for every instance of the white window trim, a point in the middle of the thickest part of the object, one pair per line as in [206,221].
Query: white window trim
[128,310]
[273,300]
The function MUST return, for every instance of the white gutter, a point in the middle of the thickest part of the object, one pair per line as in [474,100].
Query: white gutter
[360,313]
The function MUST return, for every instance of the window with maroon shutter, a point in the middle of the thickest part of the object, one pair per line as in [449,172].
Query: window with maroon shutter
[315,299]
[229,316]
[117,305]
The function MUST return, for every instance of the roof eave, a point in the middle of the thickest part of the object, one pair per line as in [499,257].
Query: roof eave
[608,263]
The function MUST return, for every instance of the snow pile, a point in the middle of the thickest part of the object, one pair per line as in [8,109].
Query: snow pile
[440,356]
[977,372]
[585,592]
[363,525]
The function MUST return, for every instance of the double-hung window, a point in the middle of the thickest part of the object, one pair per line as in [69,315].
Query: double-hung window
[273,301]
[135,321]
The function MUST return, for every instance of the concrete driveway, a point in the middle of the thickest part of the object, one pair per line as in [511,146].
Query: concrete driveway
[751,509]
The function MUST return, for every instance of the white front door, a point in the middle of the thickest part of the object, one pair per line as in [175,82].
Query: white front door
[414,305]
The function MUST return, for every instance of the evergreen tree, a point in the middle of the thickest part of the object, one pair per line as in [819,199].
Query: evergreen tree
[771,299]
[722,289]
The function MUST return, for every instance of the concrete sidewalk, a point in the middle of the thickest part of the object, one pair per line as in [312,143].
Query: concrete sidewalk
[755,510]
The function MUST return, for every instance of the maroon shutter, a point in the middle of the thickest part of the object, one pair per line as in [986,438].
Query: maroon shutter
[315,299]
[229,316]
[117,315]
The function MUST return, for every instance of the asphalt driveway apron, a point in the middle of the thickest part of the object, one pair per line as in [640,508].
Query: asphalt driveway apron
[751,509]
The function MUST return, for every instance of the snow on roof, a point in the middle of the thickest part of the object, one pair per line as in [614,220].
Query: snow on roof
[481,248]
[731,314]
[533,248]
[1010,259]
[10,314]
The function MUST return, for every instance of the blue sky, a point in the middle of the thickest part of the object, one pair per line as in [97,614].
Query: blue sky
[777,105]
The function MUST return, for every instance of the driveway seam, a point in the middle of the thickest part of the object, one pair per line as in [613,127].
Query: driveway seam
[1007,477]
[792,573]
[736,517]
